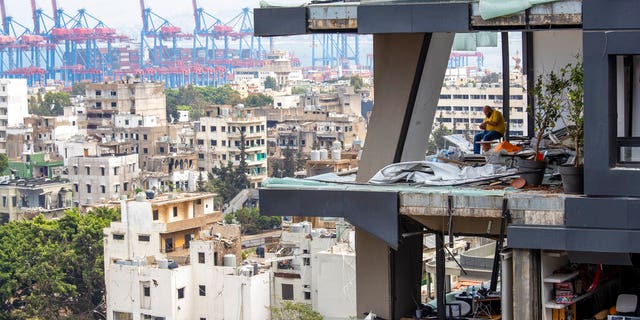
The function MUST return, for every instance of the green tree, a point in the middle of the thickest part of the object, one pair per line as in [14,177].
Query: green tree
[258,100]
[436,140]
[251,222]
[289,166]
[241,181]
[4,163]
[270,83]
[55,102]
[356,82]
[294,310]
[51,269]
[79,88]
[298,90]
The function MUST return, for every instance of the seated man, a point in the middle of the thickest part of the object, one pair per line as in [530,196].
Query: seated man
[492,128]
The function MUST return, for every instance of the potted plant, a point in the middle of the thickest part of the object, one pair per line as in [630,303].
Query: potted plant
[549,94]
[573,175]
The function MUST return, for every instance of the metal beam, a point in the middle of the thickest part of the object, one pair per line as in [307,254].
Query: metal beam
[374,212]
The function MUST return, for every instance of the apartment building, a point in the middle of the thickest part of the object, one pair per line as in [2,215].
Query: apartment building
[460,107]
[311,131]
[104,100]
[13,107]
[168,258]
[291,269]
[218,138]
[101,178]
[25,199]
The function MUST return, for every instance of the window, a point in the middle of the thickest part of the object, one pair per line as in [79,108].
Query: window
[144,137]
[115,171]
[223,128]
[202,290]
[306,261]
[126,122]
[113,93]
[214,143]
[445,96]
[200,257]
[117,236]
[213,129]
[201,156]
[287,291]
[88,188]
[175,211]
[146,291]
[181,293]
[88,170]
[102,171]
[125,186]
[200,142]
[628,117]
[224,143]
[307,295]
[114,104]
[98,92]
[145,150]
[103,189]
[99,105]
[75,188]
[161,149]
[4,201]
[155,215]
[14,201]
[144,237]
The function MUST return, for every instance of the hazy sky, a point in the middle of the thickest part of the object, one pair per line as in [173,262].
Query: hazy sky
[124,15]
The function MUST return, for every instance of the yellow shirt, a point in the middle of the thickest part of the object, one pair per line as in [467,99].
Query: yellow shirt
[496,116]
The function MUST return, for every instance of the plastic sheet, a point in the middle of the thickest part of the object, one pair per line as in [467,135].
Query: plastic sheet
[490,9]
[437,173]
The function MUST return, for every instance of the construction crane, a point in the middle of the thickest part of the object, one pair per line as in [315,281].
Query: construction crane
[6,42]
[160,30]
[250,51]
[208,29]
[459,59]
[336,50]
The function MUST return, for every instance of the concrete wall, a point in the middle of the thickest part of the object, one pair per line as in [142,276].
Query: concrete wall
[553,50]
[16,100]
[246,298]
[334,282]
[125,292]
[128,171]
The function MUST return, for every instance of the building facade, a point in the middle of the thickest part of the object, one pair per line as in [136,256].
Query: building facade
[165,260]
[13,107]
[104,100]
[99,179]
[218,141]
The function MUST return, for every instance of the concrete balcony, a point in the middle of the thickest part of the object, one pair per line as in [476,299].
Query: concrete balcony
[193,223]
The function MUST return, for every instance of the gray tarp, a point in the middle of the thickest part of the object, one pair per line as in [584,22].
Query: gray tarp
[437,173]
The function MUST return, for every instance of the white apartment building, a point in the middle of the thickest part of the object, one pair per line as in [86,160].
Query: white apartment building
[98,179]
[218,142]
[460,108]
[334,282]
[291,269]
[105,100]
[13,107]
[145,280]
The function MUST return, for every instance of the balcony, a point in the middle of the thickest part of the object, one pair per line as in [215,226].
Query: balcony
[192,223]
